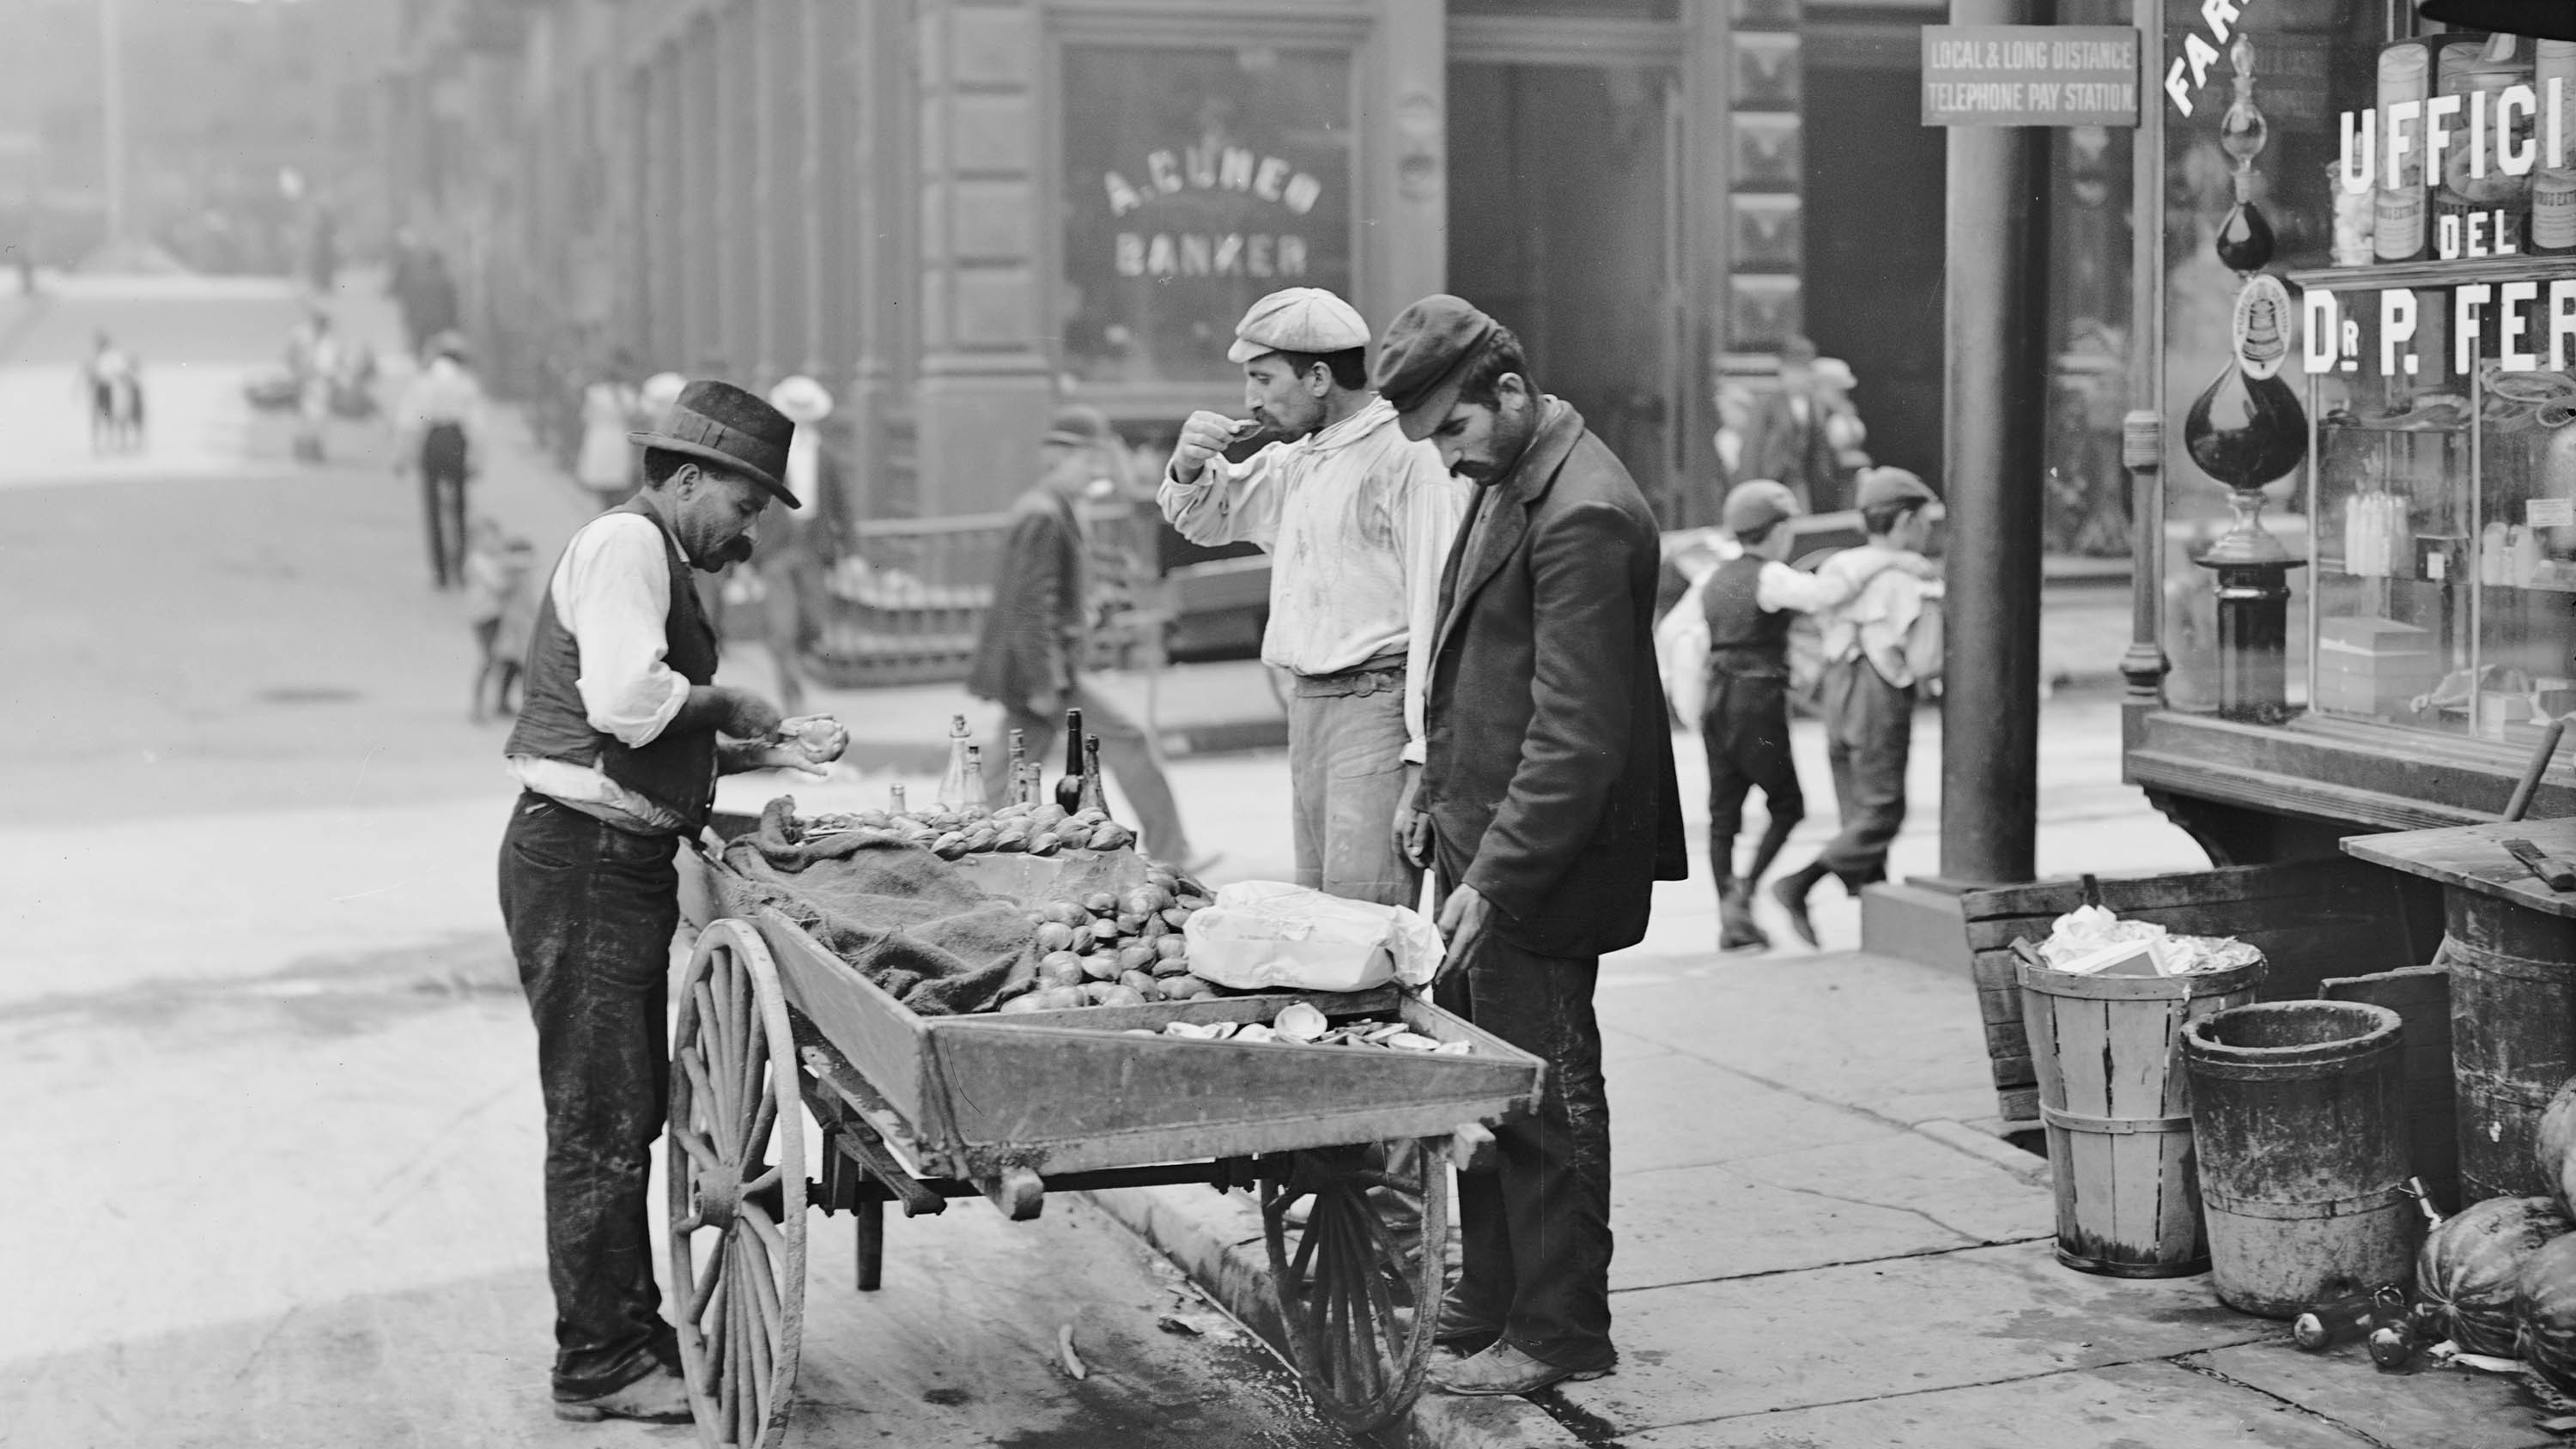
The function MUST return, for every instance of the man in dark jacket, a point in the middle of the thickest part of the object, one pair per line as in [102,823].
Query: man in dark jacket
[1549,810]
[1787,439]
[1028,660]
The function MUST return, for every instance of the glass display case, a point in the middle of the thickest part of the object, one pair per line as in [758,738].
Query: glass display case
[2443,497]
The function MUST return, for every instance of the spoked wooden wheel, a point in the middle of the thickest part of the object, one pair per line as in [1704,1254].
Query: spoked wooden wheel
[1360,1297]
[736,1165]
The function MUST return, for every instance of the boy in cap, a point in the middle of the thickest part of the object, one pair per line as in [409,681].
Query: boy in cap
[1750,602]
[1358,520]
[1876,648]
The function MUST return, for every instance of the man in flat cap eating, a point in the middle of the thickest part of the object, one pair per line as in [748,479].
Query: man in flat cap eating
[617,751]
[1551,809]
[1357,519]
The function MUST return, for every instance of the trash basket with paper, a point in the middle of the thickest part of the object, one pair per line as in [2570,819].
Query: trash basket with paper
[2091,941]
[1267,935]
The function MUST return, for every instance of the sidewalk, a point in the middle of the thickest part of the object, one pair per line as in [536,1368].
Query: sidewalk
[1814,1254]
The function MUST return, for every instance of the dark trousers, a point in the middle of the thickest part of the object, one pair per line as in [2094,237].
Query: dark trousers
[1746,733]
[442,494]
[590,911]
[1125,752]
[1869,732]
[1536,1231]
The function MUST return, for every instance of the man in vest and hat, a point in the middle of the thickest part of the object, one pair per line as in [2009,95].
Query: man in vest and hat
[617,748]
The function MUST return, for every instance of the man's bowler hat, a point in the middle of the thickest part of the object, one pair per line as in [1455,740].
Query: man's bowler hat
[724,425]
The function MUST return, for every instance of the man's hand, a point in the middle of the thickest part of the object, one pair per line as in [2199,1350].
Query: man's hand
[818,739]
[1463,919]
[1412,825]
[1205,435]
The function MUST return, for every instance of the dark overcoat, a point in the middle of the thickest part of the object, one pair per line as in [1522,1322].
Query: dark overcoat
[1550,763]
[1033,629]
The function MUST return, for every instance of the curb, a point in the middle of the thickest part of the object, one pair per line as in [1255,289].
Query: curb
[1216,1239]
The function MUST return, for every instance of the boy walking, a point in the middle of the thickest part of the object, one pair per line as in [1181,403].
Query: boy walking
[1875,648]
[1750,601]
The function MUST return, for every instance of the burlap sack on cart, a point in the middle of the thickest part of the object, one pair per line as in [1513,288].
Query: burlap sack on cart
[899,914]
[1266,935]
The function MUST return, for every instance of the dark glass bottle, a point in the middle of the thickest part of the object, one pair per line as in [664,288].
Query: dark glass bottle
[2246,431]
[1068,788]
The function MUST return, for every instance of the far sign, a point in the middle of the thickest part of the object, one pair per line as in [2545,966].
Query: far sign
[2030,75]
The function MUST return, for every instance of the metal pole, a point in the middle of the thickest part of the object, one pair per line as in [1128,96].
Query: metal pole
[111,52]
[2143,667]
[1997,368]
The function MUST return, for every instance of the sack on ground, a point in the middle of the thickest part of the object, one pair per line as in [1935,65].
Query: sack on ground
[1267,935]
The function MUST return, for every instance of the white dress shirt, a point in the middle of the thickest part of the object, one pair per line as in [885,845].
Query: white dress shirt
[1876,622]
[612,592]
[1358,521]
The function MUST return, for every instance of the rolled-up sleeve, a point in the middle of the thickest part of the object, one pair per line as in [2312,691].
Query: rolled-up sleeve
[612,592]
[1230,502]
[1435,505]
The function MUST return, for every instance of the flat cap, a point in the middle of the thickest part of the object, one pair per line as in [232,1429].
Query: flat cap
[1080,425]
[1298,319]
[1758,504]
[1882,486]
[1426,352]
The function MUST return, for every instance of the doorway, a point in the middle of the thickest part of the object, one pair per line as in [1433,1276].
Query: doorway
[1562,225]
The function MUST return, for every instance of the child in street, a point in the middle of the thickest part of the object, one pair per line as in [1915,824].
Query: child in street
[500,601]
[1750,602]
[1877,647]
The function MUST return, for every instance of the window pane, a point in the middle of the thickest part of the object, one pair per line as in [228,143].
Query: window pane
[1195,182]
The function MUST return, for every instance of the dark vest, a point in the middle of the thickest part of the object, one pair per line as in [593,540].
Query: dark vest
[1744,639]
[678,769]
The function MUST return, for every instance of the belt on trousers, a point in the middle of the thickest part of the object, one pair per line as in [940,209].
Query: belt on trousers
[1362,681]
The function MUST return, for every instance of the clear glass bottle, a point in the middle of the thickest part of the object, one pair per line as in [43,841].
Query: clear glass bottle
[952,784]
[1093,796]
[974,803]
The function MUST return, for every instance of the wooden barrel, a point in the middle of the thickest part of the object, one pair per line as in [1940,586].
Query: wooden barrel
[2513,1036]
[2299,1120]
[2107,1052]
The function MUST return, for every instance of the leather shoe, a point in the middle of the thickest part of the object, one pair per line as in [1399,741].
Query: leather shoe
[660,1397]
[1791,893]
[1503,1369]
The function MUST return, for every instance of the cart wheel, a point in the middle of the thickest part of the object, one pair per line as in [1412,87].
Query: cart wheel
[1359,1301]
[736,1166]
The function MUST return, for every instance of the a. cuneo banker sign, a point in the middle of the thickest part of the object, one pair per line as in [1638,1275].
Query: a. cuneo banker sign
[2030,75]
[1166,247]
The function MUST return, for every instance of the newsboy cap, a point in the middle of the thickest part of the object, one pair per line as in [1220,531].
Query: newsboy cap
[1297,319]
[1426,352]
[1758,504]
[1880,487]
[724,425]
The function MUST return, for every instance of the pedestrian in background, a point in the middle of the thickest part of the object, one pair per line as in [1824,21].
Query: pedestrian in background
[1748,604]
[313,359]
[1037,630]
[1551,811]
[442,417]
[1358,520]
[605,464]
[1785,438]
[500,604]
[1877,648]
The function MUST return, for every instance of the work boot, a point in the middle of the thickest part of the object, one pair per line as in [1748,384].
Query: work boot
[1736,930]
[1791,892]
[660,1397]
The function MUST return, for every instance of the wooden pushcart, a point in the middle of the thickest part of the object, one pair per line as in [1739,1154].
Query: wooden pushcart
[917,1110]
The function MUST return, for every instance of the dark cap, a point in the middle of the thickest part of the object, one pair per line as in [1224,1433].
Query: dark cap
[1080,425]
[1758,504]
[730,428]
[1426,351]
[1880,487]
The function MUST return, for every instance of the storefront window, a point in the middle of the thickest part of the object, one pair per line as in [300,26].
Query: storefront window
[1195,181]
[2437,362]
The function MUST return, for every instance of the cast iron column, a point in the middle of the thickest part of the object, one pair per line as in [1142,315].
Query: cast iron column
[1997,367]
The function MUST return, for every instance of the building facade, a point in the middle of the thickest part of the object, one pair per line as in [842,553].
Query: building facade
[959,213]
